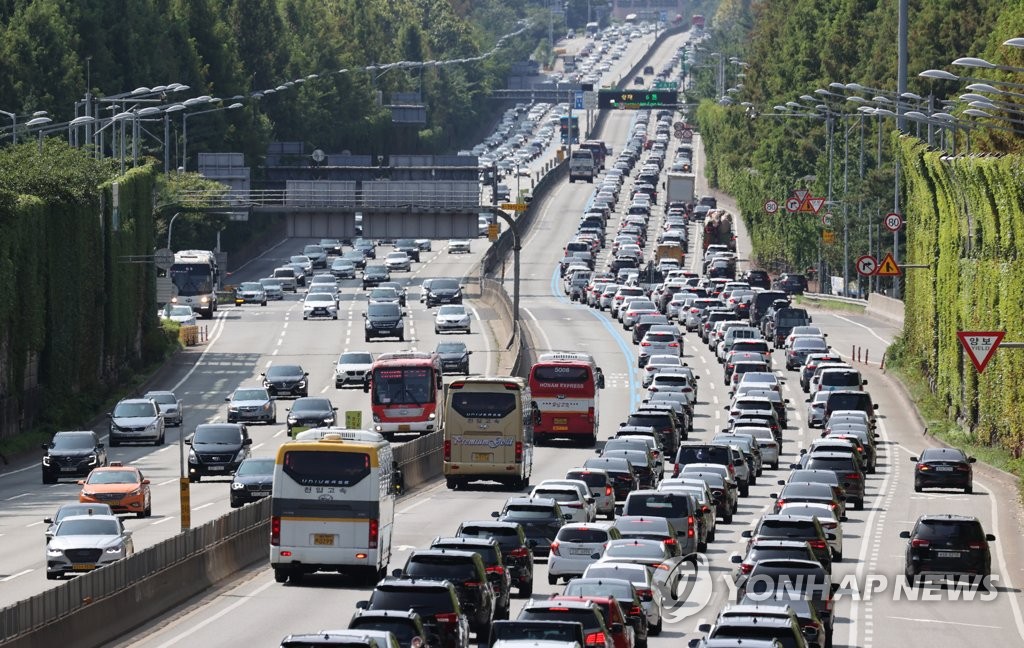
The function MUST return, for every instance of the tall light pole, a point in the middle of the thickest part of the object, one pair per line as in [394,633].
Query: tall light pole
[184,129]
[167,133]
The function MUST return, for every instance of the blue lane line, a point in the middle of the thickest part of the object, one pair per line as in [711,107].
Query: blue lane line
[624,346]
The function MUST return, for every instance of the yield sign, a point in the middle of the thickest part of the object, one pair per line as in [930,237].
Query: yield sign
[815,204]
[980,346]
[801,194]
[888,267]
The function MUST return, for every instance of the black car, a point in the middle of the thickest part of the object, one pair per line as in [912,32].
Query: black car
[784,579]
[943,468]
[541,518]
[623,476]
[357,258]
[783,323]
[374,275]
[367,247]
[410,247]
[217,449]
[762,302]
[792,284]
[443,291]
[847,468]
[946,546]
[407,626]
[663,419]
[490,553]
[72,454]
[252,481]
[436,602]
[781,526]
[758,279]
[286,380]
[464,570]
[310,412]
[399,288]
[454,357]
[517,550]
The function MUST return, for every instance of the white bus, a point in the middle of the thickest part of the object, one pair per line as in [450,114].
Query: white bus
[196,277]
[332,505]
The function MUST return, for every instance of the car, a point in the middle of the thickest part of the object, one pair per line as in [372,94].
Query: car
[250,292]
[780,526]
[180,314]
[816,409]
[601,489]
[459,246]
[216,449]
[442,291]
[72,454]
[121,487]
[943,468]
[945,545]
[331,246]
[517,550]
[68,510]
[384,320]
[410,247]
[82,543]
[366,247]
[289,278]
[327,283]
[310,412]
[274,288]
[767,549]
[343,269]
[786,579]
[286,380]
[494,565]
[170,406]
[623,634]
[303,262]
[829,518]
[398,262]
[320,304]
[463,569]
[374,275]
[848,470]
[454,357]
[134,420]
[574,500]
[384,295]
[252,481]
[251,404]
[352,367]
[453,317]
[748,627]
[407,627]
[436,602]
[596,632]
[576,547]
[540,517]
[424,244]
[356,257]
[398,288]
[604,590]
[642,579]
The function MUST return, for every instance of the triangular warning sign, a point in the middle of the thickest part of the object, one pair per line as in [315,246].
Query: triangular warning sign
[816,203]
[805,206]
[801,194]
[980,346]
[888,267]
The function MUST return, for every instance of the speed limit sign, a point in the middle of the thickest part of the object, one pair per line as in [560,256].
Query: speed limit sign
[770,206]
[893,222]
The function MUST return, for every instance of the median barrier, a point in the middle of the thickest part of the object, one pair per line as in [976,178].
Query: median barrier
[420,459]
[886,308]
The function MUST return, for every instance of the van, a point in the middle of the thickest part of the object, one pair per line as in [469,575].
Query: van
[582,166]
[288,278]
[840,378]
[679,508]
[488,430]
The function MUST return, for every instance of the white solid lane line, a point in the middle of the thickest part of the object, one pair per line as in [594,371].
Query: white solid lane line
[13,576]
[207,621]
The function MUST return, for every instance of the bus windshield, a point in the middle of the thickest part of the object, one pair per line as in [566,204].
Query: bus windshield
[403,386]
[486,405]
[192,278]
[326,468]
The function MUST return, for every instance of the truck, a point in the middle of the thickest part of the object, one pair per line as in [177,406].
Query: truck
[582,166]
[679,189]
[670,251]
[718,229]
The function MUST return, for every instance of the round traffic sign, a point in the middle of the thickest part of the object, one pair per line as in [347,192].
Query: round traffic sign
[770,206]
[687,133]
[163,258]
[793,205]
[679,125]
[893,221]
[866,265]
[826,219]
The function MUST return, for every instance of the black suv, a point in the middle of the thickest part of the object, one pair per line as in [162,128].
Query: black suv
[72,454]
[664,421]
[407,625]
[762,302]
[541,518]
[781,526]
[516,549]
[758,279]
[620,471]
[716,453]
[942,468]
[785,320]
[948,545]
[436,602]
[792,284]
[443,291]
[490,552]
[310,412]
[217,450]
[384,320]
[286,380]
[463,569]
[409,246]
[454,357]
[848,471]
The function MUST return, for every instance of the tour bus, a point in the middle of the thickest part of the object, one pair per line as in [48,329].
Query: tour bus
[592,29]
[332,506]
[195,277]
[564,387]
[488,427]
[405,392]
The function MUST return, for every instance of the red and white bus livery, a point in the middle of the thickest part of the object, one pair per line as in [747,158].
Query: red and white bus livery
[564,387]
[406,393]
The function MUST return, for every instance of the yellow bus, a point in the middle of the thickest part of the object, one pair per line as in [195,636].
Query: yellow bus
[332,505]
[488,431]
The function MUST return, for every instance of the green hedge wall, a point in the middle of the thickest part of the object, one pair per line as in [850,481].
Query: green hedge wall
[965,217]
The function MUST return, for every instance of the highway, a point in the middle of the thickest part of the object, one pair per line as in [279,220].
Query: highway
[255,611]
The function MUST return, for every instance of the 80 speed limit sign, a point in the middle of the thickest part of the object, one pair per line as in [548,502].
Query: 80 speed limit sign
[893,222]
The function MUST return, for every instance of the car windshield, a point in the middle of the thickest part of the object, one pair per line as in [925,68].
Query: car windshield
[300,258]
[452,310]
[284,371]
[635,549]
[320,297]
[113,477]
[73,442]
[622,591]
[87,527]
[312,405]
[355,357]
[527,512]
[130,410]
[270,283]
[217,435]
[451,347]
[256,467]
[584,617]
[180,311]
[251,395]
[162,398]
[444,284]
[251,285]
[440,567]
[558,495]
[636,576]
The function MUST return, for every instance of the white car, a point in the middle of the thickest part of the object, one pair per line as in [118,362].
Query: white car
[324,280]
[574,503]
[102,538]
[352,368]
[578,546]
[170,406]
[766,442]
[398,261]
[816,409]
[183,315]
[581,487]
[459,246]
[643,580]
[675,379]
[320,304]
[452,317]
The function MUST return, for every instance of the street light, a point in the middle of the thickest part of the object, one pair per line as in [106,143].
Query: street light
[184,127]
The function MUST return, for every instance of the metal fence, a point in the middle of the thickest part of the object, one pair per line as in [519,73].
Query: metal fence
[91,587]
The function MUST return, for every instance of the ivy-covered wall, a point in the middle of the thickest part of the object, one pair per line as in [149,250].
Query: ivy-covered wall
[965,217]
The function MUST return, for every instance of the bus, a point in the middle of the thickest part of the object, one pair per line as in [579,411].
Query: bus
[406,392]
[488,426]
[563,129]
[564,387]
[195,277]
[332,506]
[592,29]
[697,21]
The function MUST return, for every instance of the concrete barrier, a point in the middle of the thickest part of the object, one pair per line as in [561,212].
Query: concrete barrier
[885,308]
[420,459]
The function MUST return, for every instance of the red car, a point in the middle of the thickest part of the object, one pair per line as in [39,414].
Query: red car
[613,617]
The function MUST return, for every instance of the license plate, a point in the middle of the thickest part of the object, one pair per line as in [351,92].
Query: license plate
[580,552]
[215,468]
[83,567]
[482,456]
[68,468]
[261,493]
[561,421]
[403,428]
[323,539]
[944,468]
[948,554]
[561,428]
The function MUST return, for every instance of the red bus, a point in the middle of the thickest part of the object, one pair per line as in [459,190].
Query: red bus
[406,393]
[564,387]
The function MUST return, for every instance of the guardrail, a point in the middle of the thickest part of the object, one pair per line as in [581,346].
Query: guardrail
[839,298]
[344,198]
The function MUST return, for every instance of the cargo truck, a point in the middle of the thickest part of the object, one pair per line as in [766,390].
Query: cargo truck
[679,188]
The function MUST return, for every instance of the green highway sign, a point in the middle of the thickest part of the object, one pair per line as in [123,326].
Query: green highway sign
[637,99]
[666,85]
